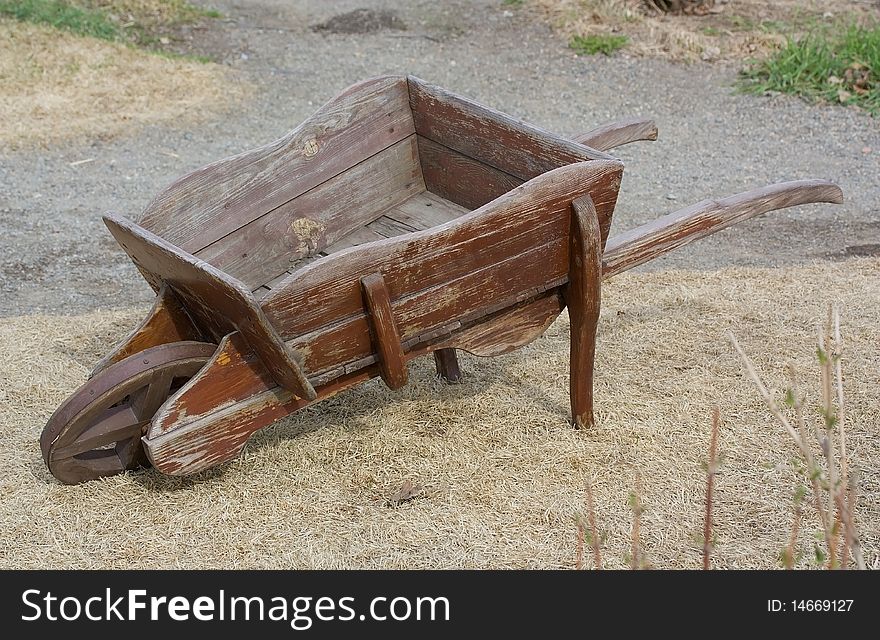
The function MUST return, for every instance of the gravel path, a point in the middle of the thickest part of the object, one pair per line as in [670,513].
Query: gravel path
[58,258]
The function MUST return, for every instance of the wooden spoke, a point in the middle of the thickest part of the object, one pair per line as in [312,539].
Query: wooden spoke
[97,431]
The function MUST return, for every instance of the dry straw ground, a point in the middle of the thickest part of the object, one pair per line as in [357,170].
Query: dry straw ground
[55,86]
[730,31]
[503,473]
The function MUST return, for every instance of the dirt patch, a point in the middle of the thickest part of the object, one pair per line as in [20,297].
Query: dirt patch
[56,86]
[729,31]
[362,21]
[487,473]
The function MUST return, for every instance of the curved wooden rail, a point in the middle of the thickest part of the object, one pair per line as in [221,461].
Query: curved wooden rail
[618,133]
[653,239]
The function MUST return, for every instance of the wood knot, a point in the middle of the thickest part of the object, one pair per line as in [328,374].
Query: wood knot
[310,147]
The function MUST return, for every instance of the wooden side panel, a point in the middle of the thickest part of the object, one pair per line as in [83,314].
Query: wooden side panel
[216,302]
[510,329]
[461,179]
[531,216]
[307,224]
[490,136]
[215,200]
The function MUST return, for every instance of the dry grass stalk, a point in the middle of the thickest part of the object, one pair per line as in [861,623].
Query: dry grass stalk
[636,559]
[834,498]
[711,470]
[594,530]
[58,86]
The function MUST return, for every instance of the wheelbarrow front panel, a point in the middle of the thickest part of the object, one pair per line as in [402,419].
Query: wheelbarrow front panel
[219,199]
[218,304]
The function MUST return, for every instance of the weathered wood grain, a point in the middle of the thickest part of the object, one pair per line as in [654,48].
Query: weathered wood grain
[532,215]
[487,135]
[425,211]
[218,437]
[618,133]
[460,179]
[386,339]
[214,300]
[389,228]
[699,220]
[583,297]
[509,329]
[215,200]
[167,321]
[304,226]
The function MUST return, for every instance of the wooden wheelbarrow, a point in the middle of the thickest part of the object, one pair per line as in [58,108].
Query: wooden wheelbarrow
[399,220]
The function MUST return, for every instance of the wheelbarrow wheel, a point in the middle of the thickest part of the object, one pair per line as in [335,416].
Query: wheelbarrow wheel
[97,431]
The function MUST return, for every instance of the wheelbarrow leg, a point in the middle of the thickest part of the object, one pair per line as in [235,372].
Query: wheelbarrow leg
[583,297]
[447,365]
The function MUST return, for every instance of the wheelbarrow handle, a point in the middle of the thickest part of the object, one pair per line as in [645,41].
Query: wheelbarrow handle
[620,132]
[653,239]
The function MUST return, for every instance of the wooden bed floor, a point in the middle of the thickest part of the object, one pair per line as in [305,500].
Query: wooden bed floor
[422,211]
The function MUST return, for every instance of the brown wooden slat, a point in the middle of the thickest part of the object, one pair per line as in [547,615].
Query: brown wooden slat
[426,210]
[660,236]
[460,179]
[214,201]
[357,237]
[533,215]
[487,135]
[389,228]
[392,363]
[264,247]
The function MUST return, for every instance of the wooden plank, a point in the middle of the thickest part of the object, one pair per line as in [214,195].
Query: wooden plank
[216,302]
[194,445]
[460,179]
[259,250]
[533,215]
[361,235]
[618,133]
[583,296]
[509,329]
[167,321]
[392,364]
[426,210]
[215,200]
[389,228]
[682,227]
[487,135]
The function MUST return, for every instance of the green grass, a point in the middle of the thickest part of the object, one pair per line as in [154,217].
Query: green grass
[831,64]
[513,3]
[61,15]
[598,43]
